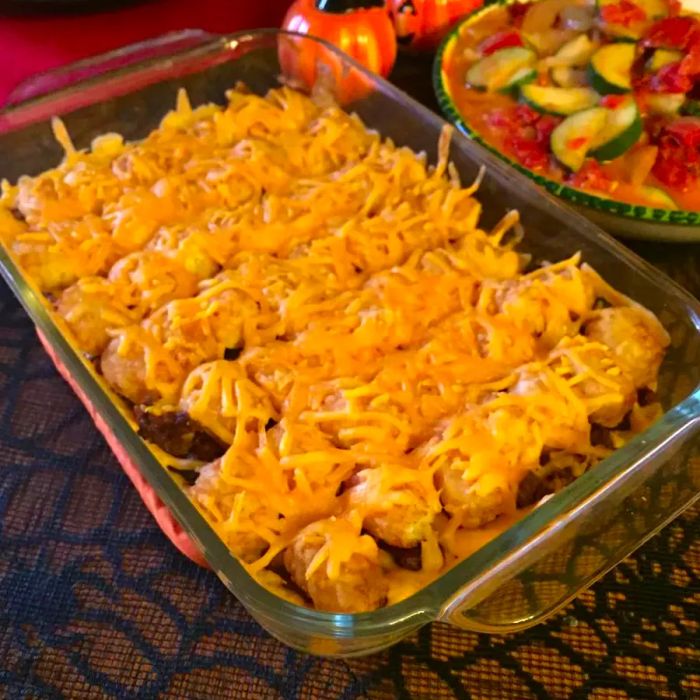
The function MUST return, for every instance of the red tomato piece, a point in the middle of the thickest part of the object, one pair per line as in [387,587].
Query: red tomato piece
[672,78]
[672,33]
[678,162]
[624,13]
[545,126]
[525,115]
[591,177]
[500,40]
[691,62]
[527,152]
[525,134]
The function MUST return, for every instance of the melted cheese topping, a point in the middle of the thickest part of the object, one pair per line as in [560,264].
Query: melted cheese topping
[397,375]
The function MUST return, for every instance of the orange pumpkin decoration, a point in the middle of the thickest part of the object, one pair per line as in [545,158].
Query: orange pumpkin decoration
[421,24]
[360,28]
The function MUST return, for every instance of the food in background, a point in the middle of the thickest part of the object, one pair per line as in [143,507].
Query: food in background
[602,97]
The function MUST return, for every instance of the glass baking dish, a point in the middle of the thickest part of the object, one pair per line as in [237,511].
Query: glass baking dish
[535,567]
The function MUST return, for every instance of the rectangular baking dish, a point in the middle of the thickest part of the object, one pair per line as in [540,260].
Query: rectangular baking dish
[540,563]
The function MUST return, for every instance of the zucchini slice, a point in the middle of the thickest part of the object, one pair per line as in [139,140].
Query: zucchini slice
[622,129]
[558,100]
[611,67]
[519,78]
[567,77]
[495,72]
[572,139]
[576,52]
[665,104]
[661,58]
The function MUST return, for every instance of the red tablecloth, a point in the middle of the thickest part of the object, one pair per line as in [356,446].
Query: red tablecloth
[30,44]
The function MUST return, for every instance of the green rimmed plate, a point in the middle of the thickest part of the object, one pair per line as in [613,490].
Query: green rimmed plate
[619,218]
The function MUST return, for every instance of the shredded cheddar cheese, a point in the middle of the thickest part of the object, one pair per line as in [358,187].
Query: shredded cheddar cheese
[312,318]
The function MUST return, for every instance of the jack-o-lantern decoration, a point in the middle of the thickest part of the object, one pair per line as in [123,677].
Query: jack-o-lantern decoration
[421,24]
[360,28]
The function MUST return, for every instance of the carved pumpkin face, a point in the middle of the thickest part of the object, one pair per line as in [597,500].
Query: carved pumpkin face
[421,24]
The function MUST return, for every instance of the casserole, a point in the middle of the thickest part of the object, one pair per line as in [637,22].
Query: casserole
[535,566]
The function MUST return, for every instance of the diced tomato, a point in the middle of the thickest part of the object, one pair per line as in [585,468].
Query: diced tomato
[678,162]
[501,40]
[672,33]
[671,78]
[525,134]
[592,177]
[691,61]
[612,101]
[624,13]
[524,114]
[545,126]
[528,152]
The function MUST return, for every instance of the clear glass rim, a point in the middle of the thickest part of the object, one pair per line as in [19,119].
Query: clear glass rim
[427,604]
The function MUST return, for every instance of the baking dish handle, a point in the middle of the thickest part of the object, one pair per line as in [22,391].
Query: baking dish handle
[125,56]
[636,493]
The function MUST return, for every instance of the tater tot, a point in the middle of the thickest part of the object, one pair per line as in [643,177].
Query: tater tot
[398,505]
[472,503]
[599,380]
[219,395]
[150,279]
[91,308]
[337,567]
[125,372]
[210,489]
[549,302]
[635,336]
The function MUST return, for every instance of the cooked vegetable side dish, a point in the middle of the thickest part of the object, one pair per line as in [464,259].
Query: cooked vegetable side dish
[356,384]
[602,96]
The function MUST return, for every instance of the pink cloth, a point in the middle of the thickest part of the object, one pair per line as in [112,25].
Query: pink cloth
[32,44]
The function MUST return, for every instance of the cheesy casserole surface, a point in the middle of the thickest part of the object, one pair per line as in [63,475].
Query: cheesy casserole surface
[355,383]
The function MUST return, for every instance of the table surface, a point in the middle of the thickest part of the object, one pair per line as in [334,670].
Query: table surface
[95,602]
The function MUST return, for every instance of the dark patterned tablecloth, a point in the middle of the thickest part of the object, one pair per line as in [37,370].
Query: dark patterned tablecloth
[95,602]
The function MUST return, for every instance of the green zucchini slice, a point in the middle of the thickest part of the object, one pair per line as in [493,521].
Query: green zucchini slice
[519,78]
[572,139]
[622,129]
[665,104]
[567,77]
[576,52]
[610,68]
[558,100]
[496,71]
[661,58]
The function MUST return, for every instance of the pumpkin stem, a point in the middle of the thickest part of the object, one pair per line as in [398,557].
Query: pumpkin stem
[341,6]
